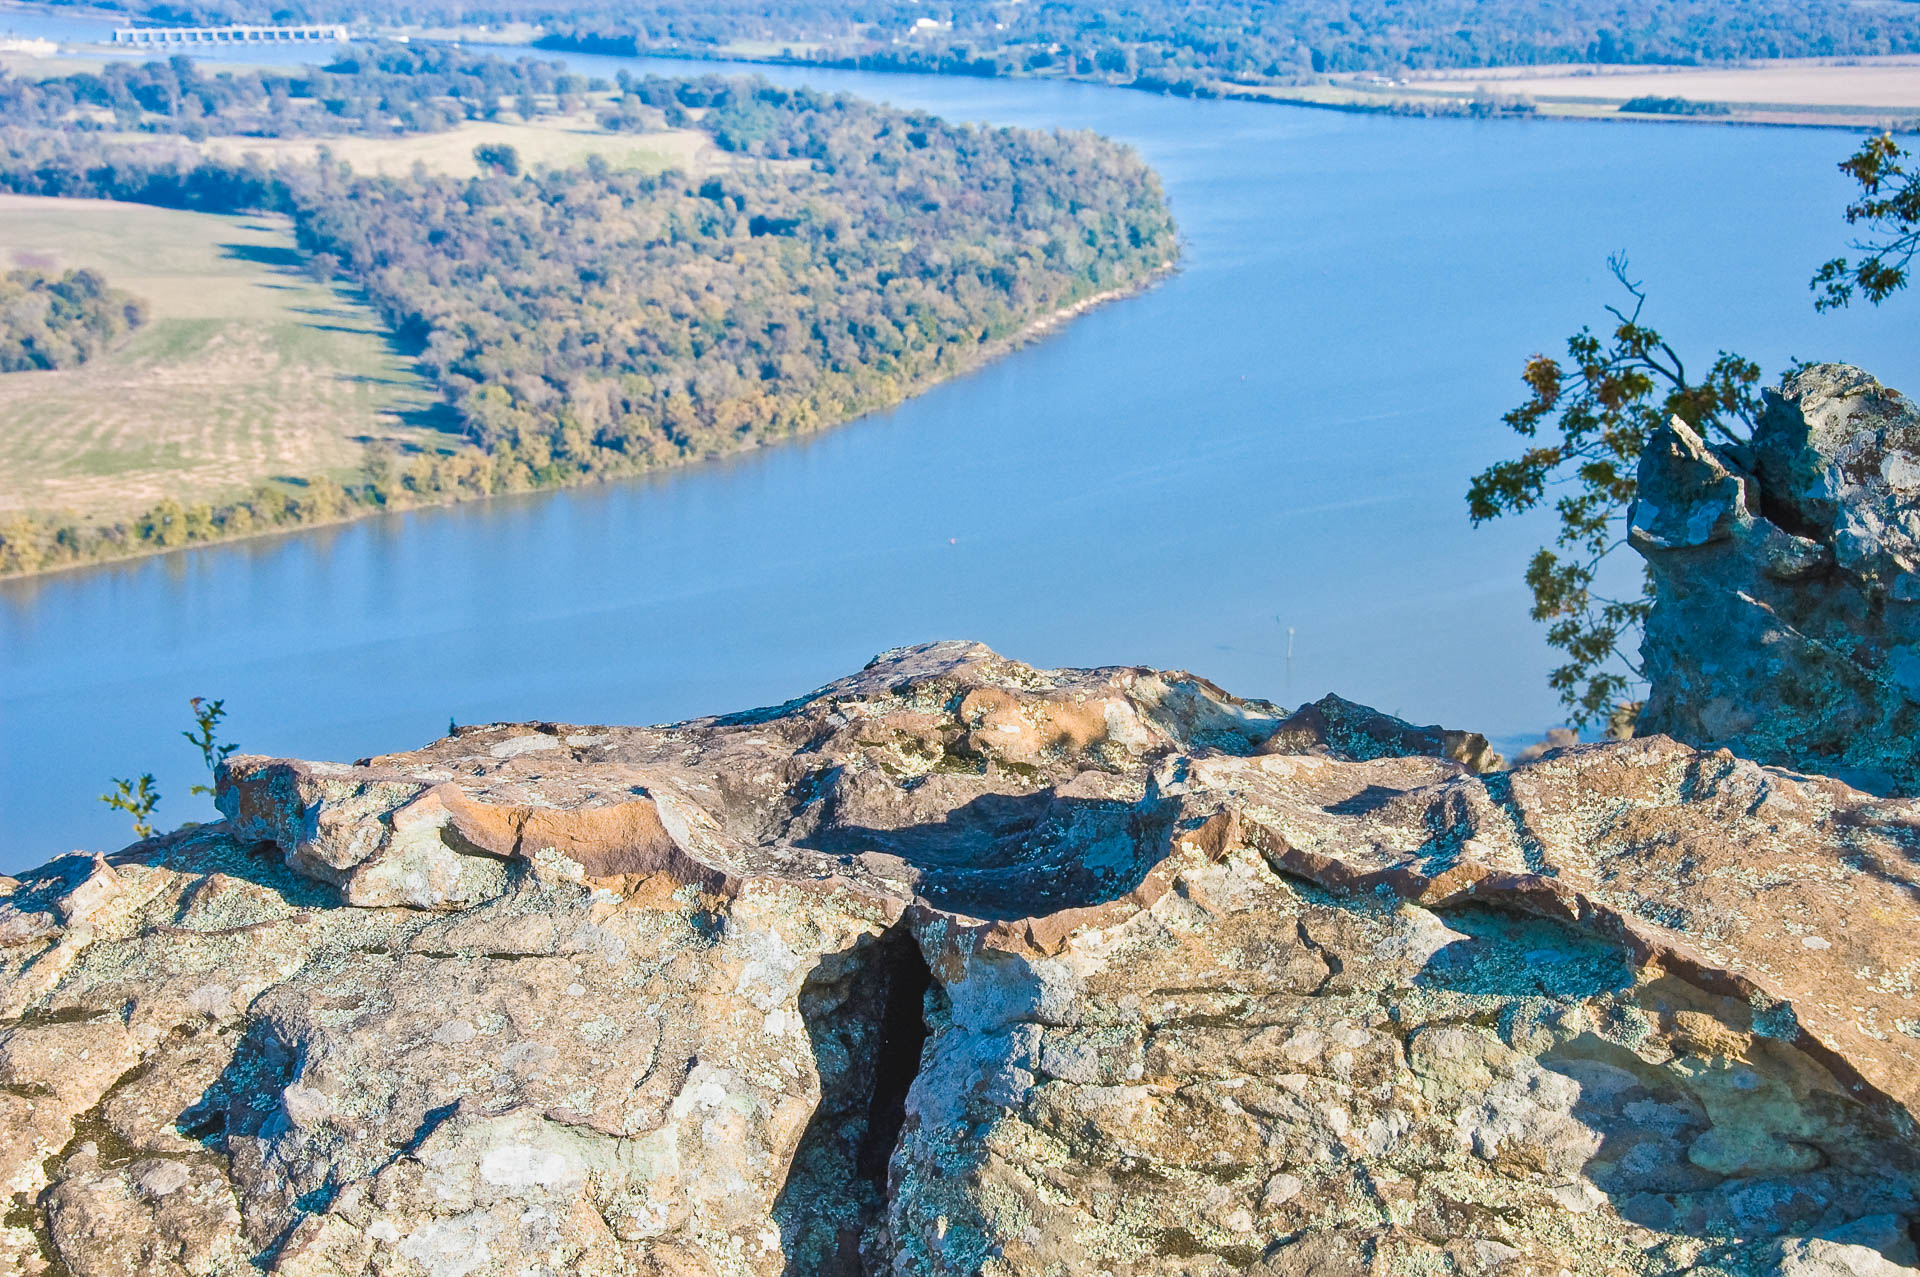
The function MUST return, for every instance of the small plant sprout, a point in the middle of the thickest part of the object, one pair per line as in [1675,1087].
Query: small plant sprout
[204,736]
[137,799]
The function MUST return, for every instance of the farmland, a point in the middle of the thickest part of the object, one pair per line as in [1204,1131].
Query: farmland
[248,369]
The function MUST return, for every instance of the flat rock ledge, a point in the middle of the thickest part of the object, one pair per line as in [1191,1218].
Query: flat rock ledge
[958,966]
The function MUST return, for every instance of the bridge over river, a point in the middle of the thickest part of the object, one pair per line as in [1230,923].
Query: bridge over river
[227,35]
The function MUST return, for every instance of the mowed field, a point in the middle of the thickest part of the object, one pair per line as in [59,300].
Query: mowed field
[1870,92]
[247,369]
[1867,92]
[556,141]
[1890,83]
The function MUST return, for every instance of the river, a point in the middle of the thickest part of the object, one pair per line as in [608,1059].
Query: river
[1254,471]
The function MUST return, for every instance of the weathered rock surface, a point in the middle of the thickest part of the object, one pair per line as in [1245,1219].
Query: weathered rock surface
[959,966]
[1787,582]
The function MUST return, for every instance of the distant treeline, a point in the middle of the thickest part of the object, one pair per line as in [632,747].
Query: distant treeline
[587,321]
[61,321]
[388,88]
[1674,106]
[1165,43]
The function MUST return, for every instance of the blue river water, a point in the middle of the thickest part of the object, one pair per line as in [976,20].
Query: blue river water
[1254,471]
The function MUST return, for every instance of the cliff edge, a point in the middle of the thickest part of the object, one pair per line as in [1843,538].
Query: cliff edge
[1786,621]
[959,966]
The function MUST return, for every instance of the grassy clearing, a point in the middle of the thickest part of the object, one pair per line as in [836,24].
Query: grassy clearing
[1593,99]
[79,59]
[1889,84]
[557,141]
[248,370]
[761,49]
[1863,92]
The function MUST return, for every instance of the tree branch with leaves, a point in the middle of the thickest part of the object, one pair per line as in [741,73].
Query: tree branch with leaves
[1588,420]
[206,724]
[1889,209]
[140,797]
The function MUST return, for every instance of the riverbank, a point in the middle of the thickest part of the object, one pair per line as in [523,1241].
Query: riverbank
[332,503]
[1497,96]
[1803,92]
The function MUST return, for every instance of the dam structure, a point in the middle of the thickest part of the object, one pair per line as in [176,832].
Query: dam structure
[229,35]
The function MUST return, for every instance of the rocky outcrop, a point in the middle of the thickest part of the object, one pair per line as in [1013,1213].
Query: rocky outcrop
[1786,623]
[958,966]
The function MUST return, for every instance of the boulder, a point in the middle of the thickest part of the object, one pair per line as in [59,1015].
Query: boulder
[958,966]
[1786,580]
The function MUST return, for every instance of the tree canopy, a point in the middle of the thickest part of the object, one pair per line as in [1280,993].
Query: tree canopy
[383,88]
[61,321]
[1592,418]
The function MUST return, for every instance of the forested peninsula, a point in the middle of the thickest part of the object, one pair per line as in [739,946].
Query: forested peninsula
[588,321]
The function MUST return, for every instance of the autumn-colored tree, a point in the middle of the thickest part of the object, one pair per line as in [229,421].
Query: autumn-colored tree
[1889,210]
[60,321]
[1588,420]
[591,320]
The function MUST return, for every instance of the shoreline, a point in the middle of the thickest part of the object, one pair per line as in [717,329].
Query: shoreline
[982,356]
[1571,107]
[1570,117]
[1411,93]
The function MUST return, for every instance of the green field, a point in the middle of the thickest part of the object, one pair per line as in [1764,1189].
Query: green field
[247,370]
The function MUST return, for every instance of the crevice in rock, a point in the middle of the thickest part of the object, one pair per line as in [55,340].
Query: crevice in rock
[1783,514]
[1007,856]
[1327,956]
[865,1013]
[109,1150]
[903,1034]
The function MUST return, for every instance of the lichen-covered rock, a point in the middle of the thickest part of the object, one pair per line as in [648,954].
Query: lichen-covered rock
[958,966]
[1786,623]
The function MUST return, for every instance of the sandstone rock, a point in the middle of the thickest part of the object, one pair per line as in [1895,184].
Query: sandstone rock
[1337,727]
[1825,1257]
[958,966]
[95,893]
[1786,623]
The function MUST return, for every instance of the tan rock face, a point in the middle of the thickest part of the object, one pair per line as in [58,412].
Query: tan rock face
[959,966]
